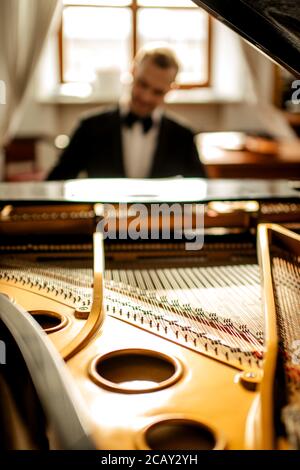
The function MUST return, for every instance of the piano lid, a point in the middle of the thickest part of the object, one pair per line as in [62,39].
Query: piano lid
[131,191]
[273,26]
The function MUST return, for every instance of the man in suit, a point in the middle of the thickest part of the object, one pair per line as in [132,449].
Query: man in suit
[135,140]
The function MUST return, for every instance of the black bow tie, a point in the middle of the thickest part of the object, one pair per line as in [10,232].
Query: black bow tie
[130,118]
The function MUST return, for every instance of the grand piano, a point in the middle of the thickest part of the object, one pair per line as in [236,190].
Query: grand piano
[121,330]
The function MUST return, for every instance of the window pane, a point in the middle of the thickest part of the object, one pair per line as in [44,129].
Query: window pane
[91,42]
[184,30]
[101,3]
[167,3]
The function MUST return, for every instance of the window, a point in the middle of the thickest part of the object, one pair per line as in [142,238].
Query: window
[105,34]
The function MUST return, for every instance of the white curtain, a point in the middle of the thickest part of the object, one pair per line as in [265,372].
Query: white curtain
[24,27]
[271,118]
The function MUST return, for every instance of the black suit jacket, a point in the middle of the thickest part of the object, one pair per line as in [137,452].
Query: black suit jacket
[96,147]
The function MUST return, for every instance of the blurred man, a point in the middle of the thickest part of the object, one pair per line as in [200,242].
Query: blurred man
[134,140]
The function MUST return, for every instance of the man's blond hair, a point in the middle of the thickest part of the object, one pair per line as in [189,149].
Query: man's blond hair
[161,56]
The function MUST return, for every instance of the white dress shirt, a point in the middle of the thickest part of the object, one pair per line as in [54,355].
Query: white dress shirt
[139,147]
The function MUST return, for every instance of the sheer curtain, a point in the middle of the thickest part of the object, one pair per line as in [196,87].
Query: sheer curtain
[24,27]
[271,118]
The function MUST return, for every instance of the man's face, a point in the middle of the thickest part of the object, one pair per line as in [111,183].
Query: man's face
[150,85]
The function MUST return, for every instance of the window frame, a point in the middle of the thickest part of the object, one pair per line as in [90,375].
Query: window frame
[134,45]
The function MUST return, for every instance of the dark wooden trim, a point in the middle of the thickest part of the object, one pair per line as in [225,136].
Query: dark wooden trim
[134,7]
[277,86]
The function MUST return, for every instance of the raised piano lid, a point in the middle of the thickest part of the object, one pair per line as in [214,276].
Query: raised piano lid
[273,26]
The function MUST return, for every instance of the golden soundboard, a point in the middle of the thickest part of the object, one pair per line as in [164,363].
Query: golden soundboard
[143,344]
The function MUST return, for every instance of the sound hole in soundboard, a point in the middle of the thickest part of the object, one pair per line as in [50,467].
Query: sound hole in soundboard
[135,370]
[49,321]
[180,434]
